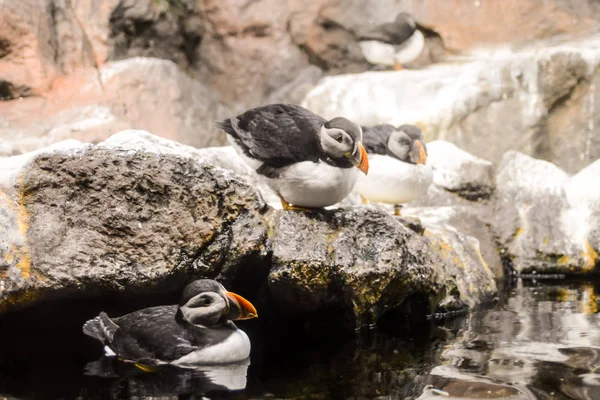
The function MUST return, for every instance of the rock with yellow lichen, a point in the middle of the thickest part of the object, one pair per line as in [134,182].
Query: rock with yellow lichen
[537,218]
[540,223]
[144,215]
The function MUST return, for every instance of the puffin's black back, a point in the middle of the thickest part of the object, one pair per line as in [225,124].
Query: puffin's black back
[375,138]
[395,33]
[277,134]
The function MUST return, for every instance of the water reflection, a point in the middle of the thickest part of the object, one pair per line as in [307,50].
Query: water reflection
[541,343]
[126,381]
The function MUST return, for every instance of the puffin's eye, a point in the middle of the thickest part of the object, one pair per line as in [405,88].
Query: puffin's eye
[339,138]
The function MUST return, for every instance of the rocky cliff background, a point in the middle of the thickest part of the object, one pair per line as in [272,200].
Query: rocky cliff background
[522,76]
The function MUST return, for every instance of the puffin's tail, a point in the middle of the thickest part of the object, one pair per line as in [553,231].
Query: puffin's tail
[101,328]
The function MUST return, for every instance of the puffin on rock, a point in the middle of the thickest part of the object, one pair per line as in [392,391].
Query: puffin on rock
[197,331]
[394,43]
[398,172]
[306,160]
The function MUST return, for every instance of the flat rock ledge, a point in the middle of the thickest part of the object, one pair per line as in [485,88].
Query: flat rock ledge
[141,214]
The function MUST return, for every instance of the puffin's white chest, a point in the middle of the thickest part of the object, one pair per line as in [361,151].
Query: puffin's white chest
[310,184]
[393,181]
[233,349]
[380,53]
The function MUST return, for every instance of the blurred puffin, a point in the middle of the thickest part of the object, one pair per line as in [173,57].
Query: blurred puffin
[197,331]
[398,171]
[400,42]
[306,160]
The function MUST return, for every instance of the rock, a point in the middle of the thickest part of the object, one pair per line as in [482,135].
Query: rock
[141,214]
[584,199]
[458,171]
[532,218]
[330,262]
[540,102]
[140,93]
[91,218]
[465,226]
[27,48]
[493,23]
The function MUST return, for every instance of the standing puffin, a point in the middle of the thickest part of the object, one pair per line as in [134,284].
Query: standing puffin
[197,331]
[306,160]
[398,171]
[394,43]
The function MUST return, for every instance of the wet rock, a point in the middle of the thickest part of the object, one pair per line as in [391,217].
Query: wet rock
[458,171]
[540,102]
[363,262]
[142,214]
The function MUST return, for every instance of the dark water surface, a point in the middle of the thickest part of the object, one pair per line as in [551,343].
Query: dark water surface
[540,341]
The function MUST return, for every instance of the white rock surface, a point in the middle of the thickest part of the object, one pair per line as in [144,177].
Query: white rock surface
[455,169]
[488,103]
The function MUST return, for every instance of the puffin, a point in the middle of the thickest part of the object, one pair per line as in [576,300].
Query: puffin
[394,43]
[197,331]
[398,173]
[308,161]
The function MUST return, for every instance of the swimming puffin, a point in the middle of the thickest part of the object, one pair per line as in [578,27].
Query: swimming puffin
[394,43]
[398,172]
[197,331]
[306,160]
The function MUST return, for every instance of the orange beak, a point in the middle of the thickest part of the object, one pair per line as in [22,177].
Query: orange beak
[422,157]
[247,310]
[360,159]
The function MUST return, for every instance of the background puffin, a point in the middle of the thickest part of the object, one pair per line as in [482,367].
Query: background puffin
[401,42]
[306,160]
[398,173]
[197,331]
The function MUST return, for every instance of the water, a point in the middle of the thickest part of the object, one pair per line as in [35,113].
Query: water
[541,340]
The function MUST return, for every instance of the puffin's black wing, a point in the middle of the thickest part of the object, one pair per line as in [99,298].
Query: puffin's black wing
[392,33]
[149,334]
[277,134]
[375,138]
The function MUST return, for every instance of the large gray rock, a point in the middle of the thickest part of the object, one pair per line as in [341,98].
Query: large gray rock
[143,214]
[540,102]
[339,261]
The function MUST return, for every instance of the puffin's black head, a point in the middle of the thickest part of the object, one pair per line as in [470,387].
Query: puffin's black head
[405,19]
[406,144]
[341,138]
[206,302]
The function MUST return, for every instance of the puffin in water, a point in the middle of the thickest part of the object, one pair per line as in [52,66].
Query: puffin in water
[398,173]
[393,44]
[197,331]
[306,160]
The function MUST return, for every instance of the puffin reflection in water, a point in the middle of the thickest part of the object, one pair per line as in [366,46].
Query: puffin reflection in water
[398,171]
[306,160]
[197,331]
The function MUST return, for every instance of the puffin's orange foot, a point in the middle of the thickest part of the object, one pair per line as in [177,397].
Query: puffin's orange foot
[397,210]
[398,67]
[145,368]
[287,206]
[364,201]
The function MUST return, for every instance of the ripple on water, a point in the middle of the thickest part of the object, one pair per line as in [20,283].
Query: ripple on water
[540,341]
